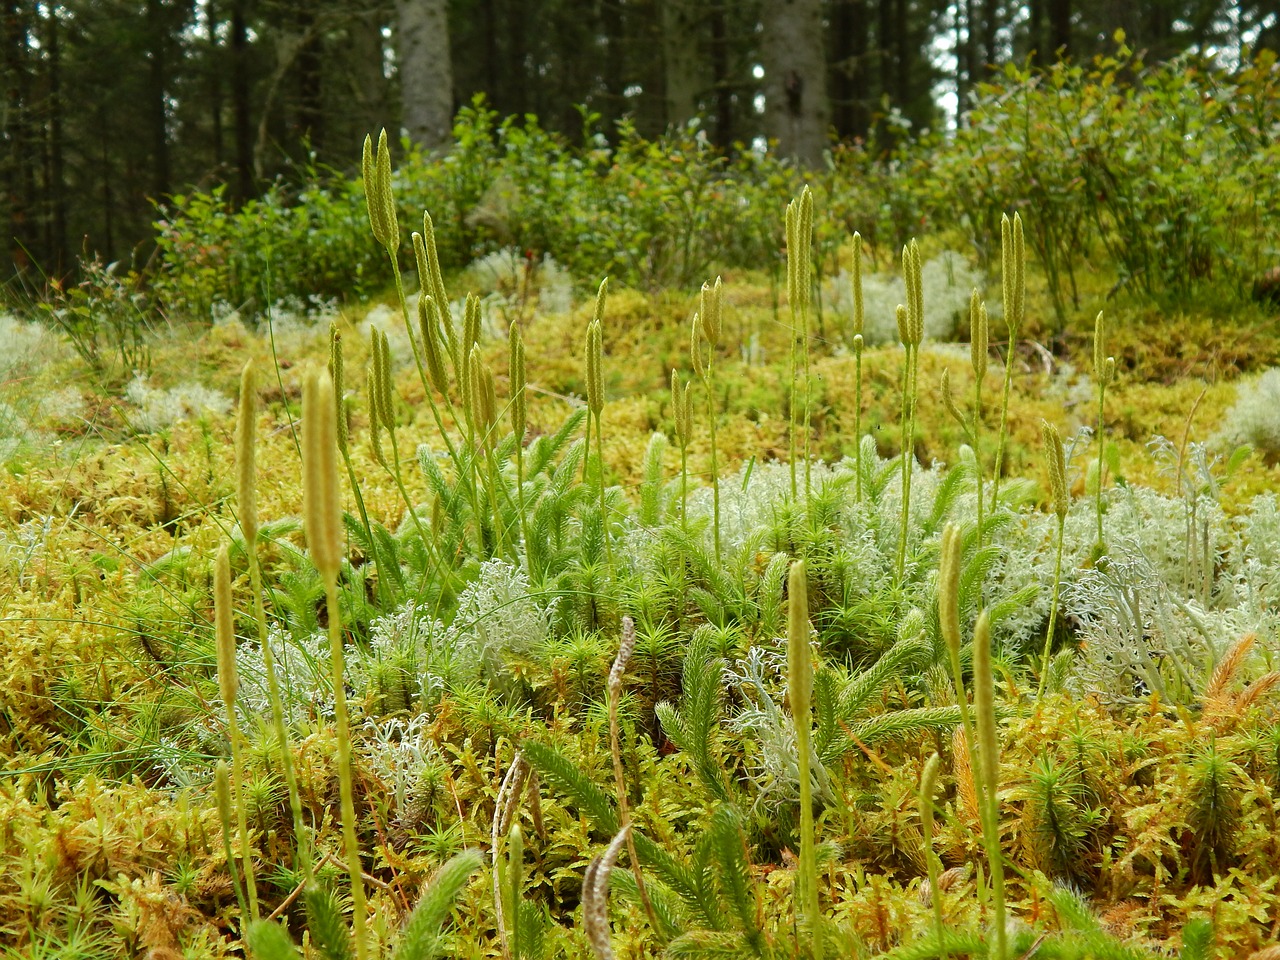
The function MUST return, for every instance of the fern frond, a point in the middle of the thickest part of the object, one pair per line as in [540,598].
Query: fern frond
[269,941]
[710,943]
[593,801]
[898,724]
[329,931]
[826,701]
[422,933]
[900,659]
[652,484]
[544,450]
[666,906]
[1197,939]
[949,491]
[952,944]
[696,719]
[769,594]
[729,845]
[570,778]
[974,574]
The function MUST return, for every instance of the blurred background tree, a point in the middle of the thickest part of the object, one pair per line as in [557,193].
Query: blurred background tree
[110,106]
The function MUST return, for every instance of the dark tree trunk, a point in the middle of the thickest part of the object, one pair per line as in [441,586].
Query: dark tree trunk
[1060,27]
[848,52]
[615,60]
[310,67]
[682,73]
[884,33]
[15,136]
[57,248]
[213,64]
[240,106]
[1035,32]
[902,55]
[518,77]
[157,112]
[990,20]
[724,132]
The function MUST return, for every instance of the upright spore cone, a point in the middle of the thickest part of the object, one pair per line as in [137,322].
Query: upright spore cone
[376,169]
[1057,463]
[979,334]
[799,662]
[224,630]
[517,375]
[595,372]
[710,308]
[855,277]
[246,478]
[322,514]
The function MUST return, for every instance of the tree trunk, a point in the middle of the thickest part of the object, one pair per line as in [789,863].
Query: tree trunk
[361,104]
[308,125]
[681,28]
[57,250]
[426,73]
[214,68]
[15,158]
[723,82]
[1035,31]
[990,20]
[1060,27]
[797,112]
[842,62]
[242,122]
[157,113]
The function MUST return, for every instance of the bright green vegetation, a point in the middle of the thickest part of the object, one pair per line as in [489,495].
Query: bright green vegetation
[457,657]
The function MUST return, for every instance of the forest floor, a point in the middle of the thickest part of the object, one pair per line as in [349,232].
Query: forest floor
[1151,795]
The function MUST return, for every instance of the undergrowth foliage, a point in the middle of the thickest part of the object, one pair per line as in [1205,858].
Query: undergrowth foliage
[889,709]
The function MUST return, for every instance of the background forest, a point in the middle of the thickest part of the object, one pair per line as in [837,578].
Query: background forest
[111,106]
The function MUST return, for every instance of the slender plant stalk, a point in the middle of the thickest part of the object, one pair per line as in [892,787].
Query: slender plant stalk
[226,816]
[979,332]
[1104,371]
[515,884]
[247,502]
[711,314]
[322,520]
[381,402]
[859,323]
[682,413]
[337,374]
[911,332]
[793,299]
[614,688]
[800,694]
[949,623]
[989,773]
[516,374]
[484,413]
[928,789]
[799,223]
[804,281]
[505,810]
[1013,261]
[1058,481]
[595,406]
[227,684]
